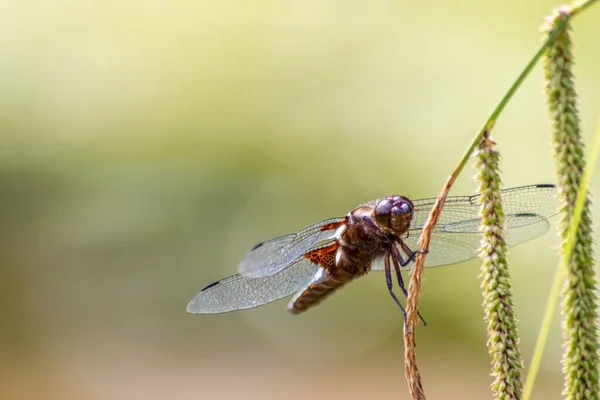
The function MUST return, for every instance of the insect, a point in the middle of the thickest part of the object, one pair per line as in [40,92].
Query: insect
[378,235]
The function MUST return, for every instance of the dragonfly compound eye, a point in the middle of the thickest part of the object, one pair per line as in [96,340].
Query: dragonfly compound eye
[383,211]
[401,215]
[401,207]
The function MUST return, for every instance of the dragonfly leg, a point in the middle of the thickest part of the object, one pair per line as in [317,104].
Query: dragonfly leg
[411,254]
[390,285]
[397,260]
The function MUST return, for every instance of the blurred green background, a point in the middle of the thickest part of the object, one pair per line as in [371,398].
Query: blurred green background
[146,146]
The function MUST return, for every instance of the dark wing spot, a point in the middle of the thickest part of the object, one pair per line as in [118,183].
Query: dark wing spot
[211,285]
[257,246]
[545,185]
[525,215]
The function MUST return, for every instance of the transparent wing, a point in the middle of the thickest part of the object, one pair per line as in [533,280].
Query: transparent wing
[238,292]
[537,200]
[270,257]
[456,237]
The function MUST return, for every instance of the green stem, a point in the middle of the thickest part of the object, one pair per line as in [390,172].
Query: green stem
[491,121]
[562,270]
[487,127]
[562,101]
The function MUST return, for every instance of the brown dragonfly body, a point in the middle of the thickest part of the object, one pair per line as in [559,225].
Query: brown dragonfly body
[366,234]
[379,235]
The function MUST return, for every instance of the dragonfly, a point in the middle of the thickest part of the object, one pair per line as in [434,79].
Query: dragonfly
[379,235]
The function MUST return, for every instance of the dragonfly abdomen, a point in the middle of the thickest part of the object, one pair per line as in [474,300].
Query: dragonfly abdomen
[317,292]
[337,269]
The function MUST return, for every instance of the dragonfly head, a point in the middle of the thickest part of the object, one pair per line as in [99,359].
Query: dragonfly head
[394,214]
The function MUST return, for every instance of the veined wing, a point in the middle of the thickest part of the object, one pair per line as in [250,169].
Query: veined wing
[270,257]
[456,237]
[239,292]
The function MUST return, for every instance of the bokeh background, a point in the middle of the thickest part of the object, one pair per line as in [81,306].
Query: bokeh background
[147,145]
